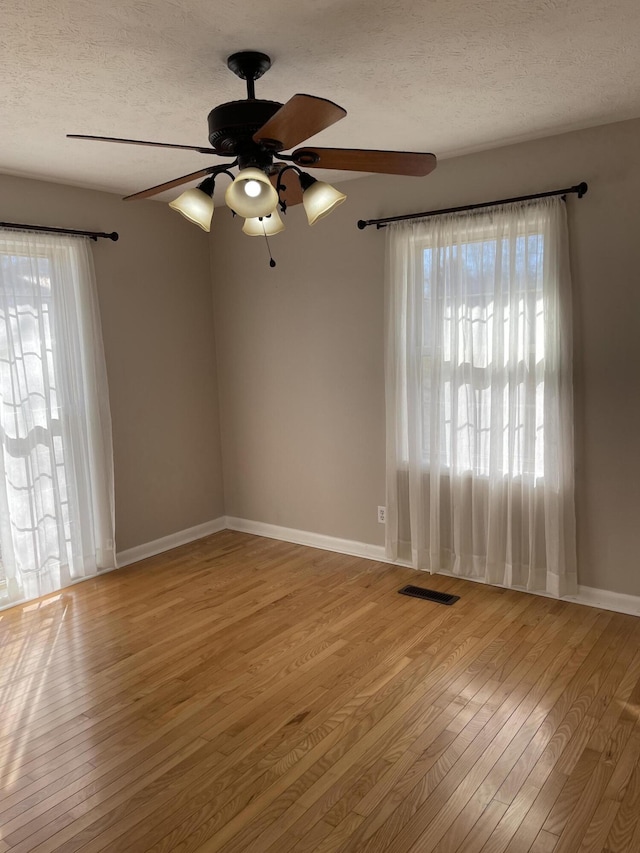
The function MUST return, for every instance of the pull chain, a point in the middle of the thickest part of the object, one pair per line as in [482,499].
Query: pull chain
[272,263]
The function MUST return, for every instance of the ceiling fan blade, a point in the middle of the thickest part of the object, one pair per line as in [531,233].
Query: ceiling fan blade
[292,194]
[300,118]
[169,185]
[141,142]
[364,160]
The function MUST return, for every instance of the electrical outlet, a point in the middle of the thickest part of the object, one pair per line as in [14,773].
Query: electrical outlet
[382,514]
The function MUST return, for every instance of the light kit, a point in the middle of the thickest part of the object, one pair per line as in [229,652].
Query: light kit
[263,226]
[196,205]
[251,194]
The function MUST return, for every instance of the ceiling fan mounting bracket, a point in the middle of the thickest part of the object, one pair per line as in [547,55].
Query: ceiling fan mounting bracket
[249,65]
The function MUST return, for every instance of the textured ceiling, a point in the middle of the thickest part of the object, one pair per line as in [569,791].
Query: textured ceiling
[425,75]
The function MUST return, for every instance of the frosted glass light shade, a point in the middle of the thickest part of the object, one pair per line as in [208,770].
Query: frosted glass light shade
[196,206]
[320,199]
[268,225]
[259,200]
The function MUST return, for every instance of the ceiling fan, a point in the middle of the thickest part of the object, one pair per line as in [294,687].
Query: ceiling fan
[255,133]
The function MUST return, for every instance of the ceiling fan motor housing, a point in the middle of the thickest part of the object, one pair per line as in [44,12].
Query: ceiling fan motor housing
[232,125]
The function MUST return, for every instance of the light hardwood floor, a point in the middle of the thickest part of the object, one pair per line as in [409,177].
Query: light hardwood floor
[243,694]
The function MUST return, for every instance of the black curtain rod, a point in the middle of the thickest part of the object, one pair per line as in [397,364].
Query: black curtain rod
[580,189]
[93,235]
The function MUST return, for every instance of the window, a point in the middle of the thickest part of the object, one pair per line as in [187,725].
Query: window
[478,396]
[56,477]
[489,340]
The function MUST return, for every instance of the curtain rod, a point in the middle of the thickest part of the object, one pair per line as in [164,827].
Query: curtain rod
[93,235]
[580,189]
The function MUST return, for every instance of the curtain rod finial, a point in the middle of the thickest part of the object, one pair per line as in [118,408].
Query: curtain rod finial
[582,188]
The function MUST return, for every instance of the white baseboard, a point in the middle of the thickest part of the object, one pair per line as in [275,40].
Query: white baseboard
[173,540]
[304,537]
[601,598]
[607,600]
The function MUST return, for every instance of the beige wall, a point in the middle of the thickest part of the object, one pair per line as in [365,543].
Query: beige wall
[300,354]
[155,297]
[300,347]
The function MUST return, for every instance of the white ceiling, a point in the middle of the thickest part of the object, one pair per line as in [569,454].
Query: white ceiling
[426,75]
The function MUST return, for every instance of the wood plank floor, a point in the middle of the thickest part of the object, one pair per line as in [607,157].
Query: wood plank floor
[242,694]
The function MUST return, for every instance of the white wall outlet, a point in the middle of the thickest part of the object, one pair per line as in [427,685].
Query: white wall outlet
[382,514]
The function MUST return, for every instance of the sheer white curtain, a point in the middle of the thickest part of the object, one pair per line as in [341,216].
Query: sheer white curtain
[56,458]
[480,477]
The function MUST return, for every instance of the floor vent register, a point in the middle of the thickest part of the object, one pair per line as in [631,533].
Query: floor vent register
[429,594]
